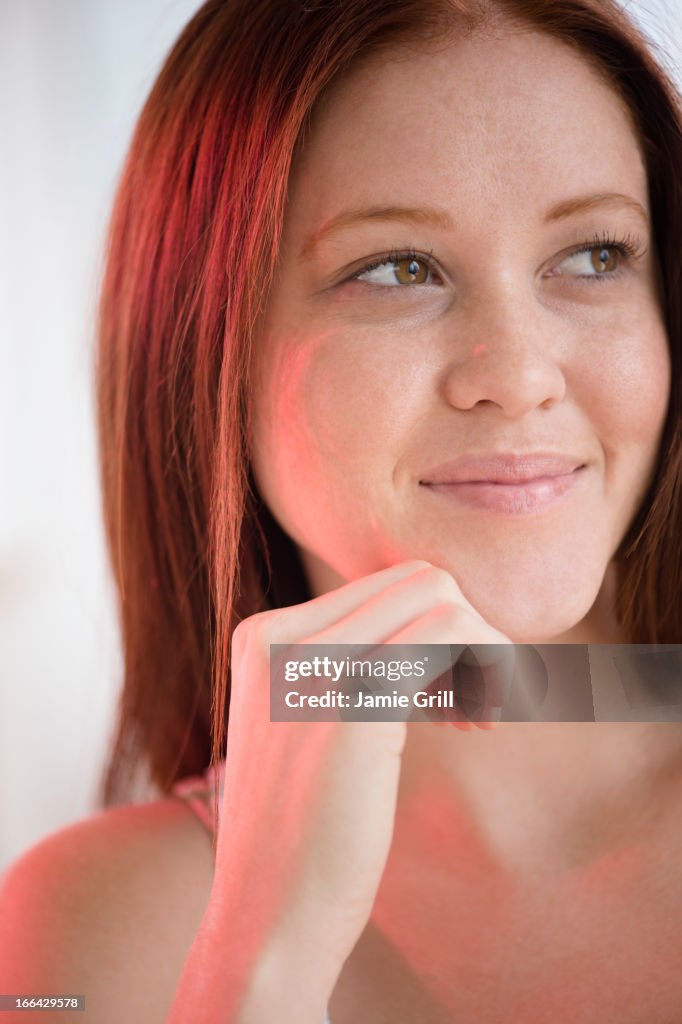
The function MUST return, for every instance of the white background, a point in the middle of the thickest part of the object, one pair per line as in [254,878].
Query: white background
[73,76]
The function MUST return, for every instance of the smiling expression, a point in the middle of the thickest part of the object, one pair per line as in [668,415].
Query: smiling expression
[467,272]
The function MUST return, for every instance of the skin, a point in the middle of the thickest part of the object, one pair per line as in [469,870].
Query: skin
[361,390]
[512,344]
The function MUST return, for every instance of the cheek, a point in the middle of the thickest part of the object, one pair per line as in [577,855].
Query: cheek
[626,385]
[333,407]
[326,420]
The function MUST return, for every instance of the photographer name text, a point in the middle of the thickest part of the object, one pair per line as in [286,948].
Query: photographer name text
[338,699]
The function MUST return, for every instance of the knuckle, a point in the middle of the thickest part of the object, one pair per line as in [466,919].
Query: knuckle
[276,630]
[421,563]
[240,633]
[448,615]
[442,585]
[240,639]
[253,629]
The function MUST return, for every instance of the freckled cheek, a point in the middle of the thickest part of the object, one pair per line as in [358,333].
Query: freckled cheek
[626,388]
[349,409]
[326,424]
[303,424]
[279,430]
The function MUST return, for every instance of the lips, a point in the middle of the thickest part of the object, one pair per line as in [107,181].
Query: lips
[503,468]
[518,483]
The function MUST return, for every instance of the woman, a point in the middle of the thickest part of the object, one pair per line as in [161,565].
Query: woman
[363,258]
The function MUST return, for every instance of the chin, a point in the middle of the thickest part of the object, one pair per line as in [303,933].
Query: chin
[541,617]
[535,597]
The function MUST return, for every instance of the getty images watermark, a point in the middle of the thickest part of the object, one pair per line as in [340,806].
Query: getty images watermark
[477,683]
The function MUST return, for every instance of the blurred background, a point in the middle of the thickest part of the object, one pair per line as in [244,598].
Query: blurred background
[73,77]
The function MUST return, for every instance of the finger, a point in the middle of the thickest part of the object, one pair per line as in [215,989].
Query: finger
[479,670]
[482,676]
[395,607]
[434,628]
[293,623]
[296,622]
[496,663]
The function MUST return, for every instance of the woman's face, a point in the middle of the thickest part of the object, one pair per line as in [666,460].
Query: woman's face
[433,304]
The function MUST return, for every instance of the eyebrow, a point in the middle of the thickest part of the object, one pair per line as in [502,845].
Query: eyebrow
[439,218]
[581,203]
[430,216]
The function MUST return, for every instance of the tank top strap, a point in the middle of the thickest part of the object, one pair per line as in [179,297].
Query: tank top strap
[197,792]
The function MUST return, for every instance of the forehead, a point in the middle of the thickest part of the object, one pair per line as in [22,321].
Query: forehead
[504,121]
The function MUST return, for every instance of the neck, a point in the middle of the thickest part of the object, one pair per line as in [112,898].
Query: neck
[538,797]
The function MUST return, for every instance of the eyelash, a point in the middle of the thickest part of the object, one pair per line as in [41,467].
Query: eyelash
[628,246]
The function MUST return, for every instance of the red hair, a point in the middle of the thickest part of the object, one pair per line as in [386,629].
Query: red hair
[192,248]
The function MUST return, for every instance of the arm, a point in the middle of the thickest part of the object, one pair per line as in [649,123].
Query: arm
[290,983]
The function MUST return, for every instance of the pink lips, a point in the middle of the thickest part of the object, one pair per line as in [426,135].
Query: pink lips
[512,483]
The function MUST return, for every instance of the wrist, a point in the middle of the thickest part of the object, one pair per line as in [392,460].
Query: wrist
[290,984]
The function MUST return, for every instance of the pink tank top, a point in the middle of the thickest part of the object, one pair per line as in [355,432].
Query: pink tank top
[197,792]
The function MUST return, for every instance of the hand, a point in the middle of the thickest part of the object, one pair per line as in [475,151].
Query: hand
[308,807]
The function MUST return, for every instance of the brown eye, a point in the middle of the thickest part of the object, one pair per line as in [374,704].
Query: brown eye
[411,271]
[604,259]
[396,270]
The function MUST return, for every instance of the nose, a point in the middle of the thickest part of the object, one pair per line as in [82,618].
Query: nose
[505,355]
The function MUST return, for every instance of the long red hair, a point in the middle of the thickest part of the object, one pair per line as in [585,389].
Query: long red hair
[192,248]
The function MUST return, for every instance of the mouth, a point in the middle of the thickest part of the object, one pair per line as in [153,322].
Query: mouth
[510,484]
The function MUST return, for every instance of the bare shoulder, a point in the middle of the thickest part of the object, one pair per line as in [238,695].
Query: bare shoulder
[108,907]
